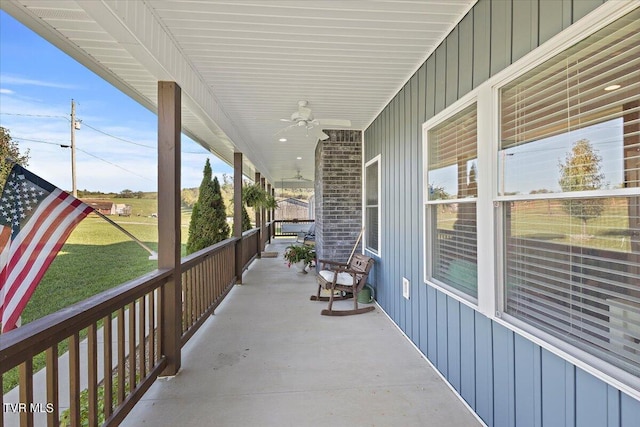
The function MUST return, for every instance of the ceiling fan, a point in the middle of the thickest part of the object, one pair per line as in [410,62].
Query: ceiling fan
[298,177]
[304,118]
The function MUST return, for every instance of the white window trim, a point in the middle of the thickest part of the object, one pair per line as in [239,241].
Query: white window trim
[364,207]
[488,207]
[610,374]
[464,102]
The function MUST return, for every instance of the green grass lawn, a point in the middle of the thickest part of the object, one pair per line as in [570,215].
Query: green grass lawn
[547,220]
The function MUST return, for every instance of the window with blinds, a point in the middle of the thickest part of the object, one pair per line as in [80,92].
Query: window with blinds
[372,205]
[569,174]
[451,202]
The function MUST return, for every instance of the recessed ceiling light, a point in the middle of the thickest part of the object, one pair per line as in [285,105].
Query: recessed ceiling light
[298,158]
[612,87]
[283,140]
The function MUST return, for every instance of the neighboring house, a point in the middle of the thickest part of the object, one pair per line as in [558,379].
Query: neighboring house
[103,206]
[530,319]
[292,209]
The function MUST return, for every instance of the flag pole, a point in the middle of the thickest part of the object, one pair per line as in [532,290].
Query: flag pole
[154,254]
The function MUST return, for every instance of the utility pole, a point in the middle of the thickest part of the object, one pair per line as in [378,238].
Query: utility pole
[73,149]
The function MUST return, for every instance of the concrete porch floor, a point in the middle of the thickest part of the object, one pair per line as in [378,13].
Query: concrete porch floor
[268,358]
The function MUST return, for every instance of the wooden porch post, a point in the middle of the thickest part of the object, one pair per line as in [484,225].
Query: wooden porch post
[273,213]
[258,219]
[269,215]
[169,124]
[237,212]
[263,215]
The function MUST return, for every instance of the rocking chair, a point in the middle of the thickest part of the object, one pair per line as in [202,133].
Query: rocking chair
[349,279]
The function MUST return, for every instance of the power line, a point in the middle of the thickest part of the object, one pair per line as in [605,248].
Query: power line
[35,115]
[85,152]
[41,141]
[95,129]
[113,164]
[118,138]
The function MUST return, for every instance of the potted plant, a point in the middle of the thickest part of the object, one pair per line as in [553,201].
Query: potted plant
[253,195]
[301,255]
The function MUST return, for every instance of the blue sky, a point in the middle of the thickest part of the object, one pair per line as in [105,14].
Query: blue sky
[37,83]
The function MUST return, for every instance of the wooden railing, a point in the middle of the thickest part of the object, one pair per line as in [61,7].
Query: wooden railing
[283,227]
[250,246]
[207,277]
[128,320]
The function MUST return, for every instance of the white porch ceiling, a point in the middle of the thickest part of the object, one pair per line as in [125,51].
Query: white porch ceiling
[244,64]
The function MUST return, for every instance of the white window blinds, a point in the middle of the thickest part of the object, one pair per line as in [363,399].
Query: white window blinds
[572,262]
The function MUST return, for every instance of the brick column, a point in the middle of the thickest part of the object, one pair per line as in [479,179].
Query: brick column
[338,194]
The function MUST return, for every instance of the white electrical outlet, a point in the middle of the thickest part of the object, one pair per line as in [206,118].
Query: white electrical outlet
[405,288]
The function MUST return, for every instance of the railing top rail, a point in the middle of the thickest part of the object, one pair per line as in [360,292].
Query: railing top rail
[250,232]
[37,336]
[196,257]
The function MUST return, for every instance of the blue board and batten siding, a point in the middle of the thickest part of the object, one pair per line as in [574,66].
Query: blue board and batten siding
[507,379]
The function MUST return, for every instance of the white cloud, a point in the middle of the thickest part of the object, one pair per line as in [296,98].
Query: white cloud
[6,91]
[20,81]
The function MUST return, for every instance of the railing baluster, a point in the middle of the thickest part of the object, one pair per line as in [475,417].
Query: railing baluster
[159,331]
[26,391]
[92,383]
[132,345]
[215,273]
[188,284]
[53,416]
[201,304]
[74,379]
[142,318]
[108,364]
[121,359]
[152,329]
[207,282]
[195,295]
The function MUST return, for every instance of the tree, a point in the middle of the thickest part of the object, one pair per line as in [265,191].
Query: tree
[9,153]
[581,171]
[208,219]
[246,221]
[126,194]
[219,224]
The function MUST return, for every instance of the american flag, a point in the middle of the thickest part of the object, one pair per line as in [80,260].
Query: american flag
[36,219]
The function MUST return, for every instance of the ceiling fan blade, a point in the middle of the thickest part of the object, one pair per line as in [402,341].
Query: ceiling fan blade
[284,129]
[334,122]
[318,134]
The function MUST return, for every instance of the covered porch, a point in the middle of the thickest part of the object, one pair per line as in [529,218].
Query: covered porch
[267,357]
